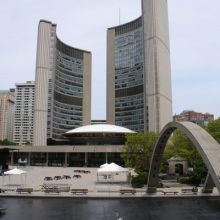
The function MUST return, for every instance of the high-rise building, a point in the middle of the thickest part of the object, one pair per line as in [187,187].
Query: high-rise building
[138,70]
[6,114]
[63,87]
[24,113]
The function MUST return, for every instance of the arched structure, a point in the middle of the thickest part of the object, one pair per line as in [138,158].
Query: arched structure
[205,144]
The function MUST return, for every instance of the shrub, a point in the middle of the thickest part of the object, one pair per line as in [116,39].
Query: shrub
[184,180]
[139,181]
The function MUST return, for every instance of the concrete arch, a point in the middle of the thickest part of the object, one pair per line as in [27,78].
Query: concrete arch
[206,145]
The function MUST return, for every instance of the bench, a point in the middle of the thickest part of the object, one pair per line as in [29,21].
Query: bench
[123,191]
[24,190]
[169,192]
[52,190]
[189,190]
[79,191]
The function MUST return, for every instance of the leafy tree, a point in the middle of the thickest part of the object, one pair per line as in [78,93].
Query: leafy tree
[199,172]
[180,145]
[138,150]
[7,142]
[214,129]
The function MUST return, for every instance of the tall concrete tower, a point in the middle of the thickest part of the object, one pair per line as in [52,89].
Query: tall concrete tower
[138,70]
[157,73]
[63,87]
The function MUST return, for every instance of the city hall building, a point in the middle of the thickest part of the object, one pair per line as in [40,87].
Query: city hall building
[138,92]
[138,70]
[62,87]
[89,146]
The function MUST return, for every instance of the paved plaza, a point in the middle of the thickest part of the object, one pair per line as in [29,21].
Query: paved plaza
[34,178]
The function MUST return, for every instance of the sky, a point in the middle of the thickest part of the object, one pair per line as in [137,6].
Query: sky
[194,43]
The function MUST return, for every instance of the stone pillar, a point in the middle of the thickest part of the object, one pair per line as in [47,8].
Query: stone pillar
[29,159]
[12,158]
[47,159]
[106,157]
[65,160]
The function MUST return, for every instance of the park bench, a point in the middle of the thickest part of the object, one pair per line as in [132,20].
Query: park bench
[123,191]
[24,190]
[52,190]
[189,190]
[169,192]
[79,191]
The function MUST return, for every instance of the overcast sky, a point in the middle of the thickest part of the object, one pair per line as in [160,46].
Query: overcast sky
[194,40]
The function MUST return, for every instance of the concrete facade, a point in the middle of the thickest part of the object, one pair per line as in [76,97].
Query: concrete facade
[7,105]
[63,87]
[24,113]
[141,105]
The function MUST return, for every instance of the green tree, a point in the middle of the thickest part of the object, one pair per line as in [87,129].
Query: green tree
[7,142]
[199,172]
[180,145]
[138,150]
[214,129]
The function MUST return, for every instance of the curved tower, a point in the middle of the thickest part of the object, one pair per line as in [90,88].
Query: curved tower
[138,70]
[63,87]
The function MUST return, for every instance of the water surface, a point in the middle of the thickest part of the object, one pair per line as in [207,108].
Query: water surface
[97,209]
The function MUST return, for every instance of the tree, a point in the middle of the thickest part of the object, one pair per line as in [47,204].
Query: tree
[7,142]
[199,172]
[214,129]
[180,145]
[138,150]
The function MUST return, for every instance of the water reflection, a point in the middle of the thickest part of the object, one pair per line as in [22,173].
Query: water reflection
[112,209]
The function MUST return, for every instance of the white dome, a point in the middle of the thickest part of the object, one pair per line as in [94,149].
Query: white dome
[100,128]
